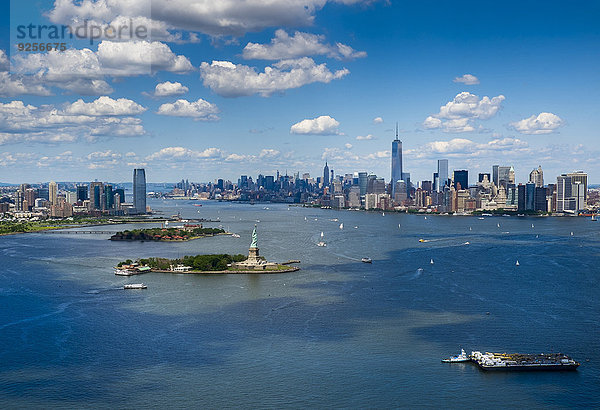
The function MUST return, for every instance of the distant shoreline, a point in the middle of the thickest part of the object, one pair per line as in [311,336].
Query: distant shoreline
[227,272]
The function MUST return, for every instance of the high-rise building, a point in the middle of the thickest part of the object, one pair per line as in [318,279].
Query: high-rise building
[506,176]
[530,196]
[82,193]
[362,183]
[537,177]
[461,177]
[396,161]
[580,185]
[495,176]
[52,192]
[541,199]
[96,195]
[482,177]
[564,197]
[442,174]
[325,175]
[139,190]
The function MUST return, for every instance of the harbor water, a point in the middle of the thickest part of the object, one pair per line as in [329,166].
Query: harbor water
[338,333]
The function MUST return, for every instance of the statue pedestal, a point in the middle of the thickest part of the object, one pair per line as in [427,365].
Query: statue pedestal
[253,254]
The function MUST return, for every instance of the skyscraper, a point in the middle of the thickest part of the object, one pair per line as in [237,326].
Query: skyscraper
[139,190]
[579,189]
[325,175]
[396,161]
[52,192]
[442,174]
[537,177]
[461,178]
[495,171]
[96,194]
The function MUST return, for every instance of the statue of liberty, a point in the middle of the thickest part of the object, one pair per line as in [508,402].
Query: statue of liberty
[254,243]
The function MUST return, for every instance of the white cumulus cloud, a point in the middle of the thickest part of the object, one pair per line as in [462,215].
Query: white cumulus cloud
[467,79]
[213,17]
[234,80]
[168,88]
[543,123]
[459,114]
[365,137]
[323,125]
[377,120]
[200,110]
[181,153]
[105,106]
[301,44]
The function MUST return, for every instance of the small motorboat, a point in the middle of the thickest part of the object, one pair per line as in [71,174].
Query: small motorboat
[134,286]
[321,244]
[366,260]
[421,240]
[462,357]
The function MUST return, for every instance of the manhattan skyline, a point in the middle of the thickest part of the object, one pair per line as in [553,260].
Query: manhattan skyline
[475,84]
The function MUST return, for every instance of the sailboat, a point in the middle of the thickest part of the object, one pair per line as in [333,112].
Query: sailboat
[532,225]
[517,264]
[383,214]
[425,217]
[398,226]
[431,262]
[305,218]
[342,225]
[594,218]
[470,229]
[498,225]
[321,242]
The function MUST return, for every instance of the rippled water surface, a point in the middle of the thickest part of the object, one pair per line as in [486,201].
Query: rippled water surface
[338,333]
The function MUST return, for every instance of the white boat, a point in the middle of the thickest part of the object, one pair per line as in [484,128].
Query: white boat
[431,262]
[383,214]
[470,229]
[425,217]
[482,218]
[594,218]
[366,260]
[135,286]
[498,225]
[462,357]
[517,264]
[532,225]
[467,243]
[398,226]
[235,235]
[321,234]
[124,272]
[571,233]
[342,225]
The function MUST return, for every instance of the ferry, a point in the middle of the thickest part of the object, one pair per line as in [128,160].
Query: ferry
[135,286]
[462,357]
[124,272]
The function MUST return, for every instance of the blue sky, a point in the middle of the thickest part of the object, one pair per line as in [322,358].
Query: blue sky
[259,86]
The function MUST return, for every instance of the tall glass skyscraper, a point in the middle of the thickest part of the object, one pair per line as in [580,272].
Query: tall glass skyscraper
[442,174]
[396,162]
[139,190]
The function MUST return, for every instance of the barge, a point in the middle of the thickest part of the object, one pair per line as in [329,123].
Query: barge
[518,361]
